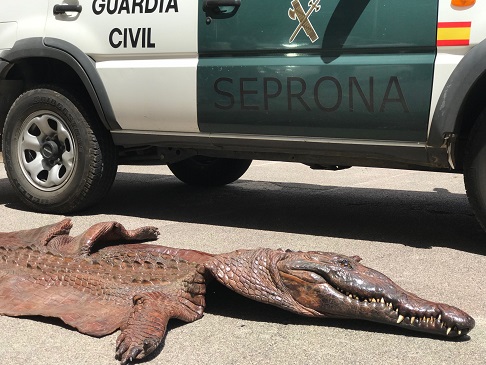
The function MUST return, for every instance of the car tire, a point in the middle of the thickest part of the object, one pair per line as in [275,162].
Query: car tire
[209,171]
[475,169]
[58,156]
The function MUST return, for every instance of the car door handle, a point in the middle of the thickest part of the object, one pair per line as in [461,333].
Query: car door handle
[64,8]
[214,4]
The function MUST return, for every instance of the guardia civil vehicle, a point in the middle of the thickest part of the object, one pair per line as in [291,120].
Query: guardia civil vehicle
[205,86]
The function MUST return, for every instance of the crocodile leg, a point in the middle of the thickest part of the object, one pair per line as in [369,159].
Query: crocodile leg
[37,237]
[101,234]
[146,326]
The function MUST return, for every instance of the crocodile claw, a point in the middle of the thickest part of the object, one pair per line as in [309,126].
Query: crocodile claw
[127,352]
[128,349]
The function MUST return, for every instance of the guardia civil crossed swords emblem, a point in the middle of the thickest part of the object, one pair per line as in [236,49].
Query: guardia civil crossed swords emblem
[296,12]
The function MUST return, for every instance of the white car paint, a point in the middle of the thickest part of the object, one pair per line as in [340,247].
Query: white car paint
[449,57]
[159,64]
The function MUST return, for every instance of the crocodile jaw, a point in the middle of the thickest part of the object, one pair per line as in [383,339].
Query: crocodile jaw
[339,286]
[319,284]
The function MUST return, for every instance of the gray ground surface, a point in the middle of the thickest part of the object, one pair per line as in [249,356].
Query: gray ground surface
[415,227]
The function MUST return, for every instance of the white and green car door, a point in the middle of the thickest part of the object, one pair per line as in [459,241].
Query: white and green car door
[324,68]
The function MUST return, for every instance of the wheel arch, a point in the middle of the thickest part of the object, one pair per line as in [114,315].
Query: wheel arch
[65,62]
[460,104]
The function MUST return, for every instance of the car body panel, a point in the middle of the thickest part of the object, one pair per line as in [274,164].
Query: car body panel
[145,54]
[171,73]
[363,77]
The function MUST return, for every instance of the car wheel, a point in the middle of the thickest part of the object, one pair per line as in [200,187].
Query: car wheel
[209,171]
[475,169]
[57,155]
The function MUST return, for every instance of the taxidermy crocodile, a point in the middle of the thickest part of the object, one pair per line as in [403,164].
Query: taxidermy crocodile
[103,280]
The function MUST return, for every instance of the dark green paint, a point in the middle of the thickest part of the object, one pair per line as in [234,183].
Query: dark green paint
[264,25]
[372,64]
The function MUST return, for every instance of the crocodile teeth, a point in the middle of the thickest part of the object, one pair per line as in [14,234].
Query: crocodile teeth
[426,320]
[459,332]
[439,317]
[382,300]
[449,329]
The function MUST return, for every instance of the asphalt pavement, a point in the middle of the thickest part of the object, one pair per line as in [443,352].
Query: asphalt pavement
[416,227]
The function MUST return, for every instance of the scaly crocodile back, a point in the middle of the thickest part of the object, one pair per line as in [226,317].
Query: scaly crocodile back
[94,293]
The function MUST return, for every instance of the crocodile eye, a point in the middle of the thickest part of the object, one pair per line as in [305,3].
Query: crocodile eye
[345,263]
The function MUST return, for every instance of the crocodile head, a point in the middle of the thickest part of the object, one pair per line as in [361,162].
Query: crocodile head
[321,284]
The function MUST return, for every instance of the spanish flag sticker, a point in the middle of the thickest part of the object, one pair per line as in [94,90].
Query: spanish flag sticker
[453,33]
